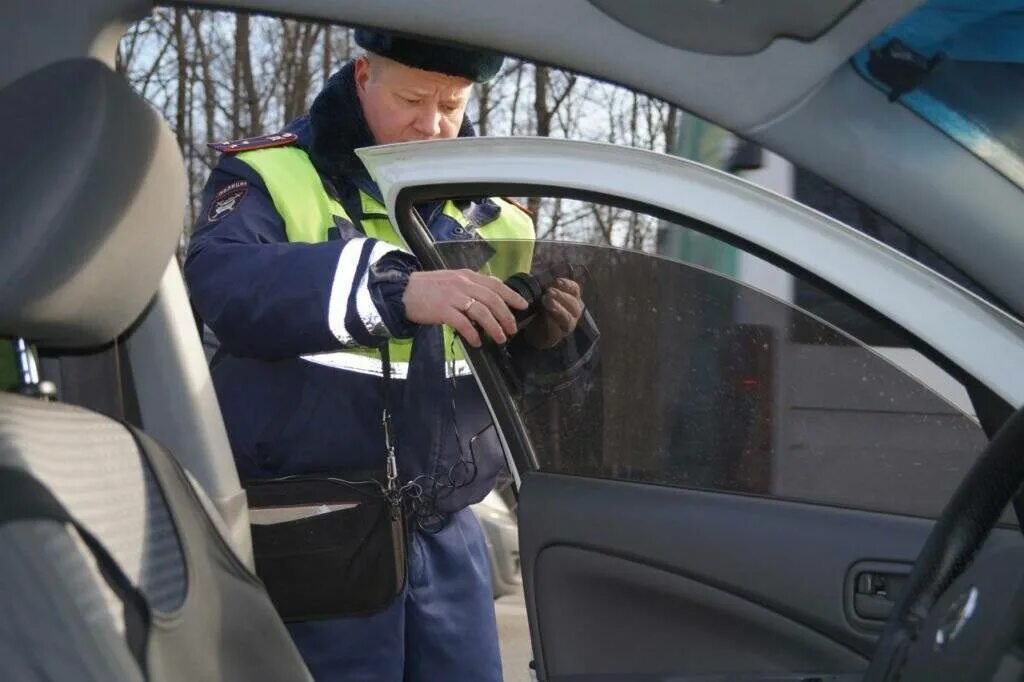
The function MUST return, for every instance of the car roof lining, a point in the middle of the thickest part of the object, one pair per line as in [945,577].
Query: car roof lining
[738,27]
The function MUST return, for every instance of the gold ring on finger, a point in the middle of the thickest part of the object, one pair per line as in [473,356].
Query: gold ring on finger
[469,304]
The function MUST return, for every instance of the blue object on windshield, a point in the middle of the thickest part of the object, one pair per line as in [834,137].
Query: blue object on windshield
[959,64]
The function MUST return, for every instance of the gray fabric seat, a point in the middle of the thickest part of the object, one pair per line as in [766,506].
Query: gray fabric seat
[51,584]
[91,464]
[92,197]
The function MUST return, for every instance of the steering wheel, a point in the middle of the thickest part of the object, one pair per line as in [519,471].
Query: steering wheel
[959,533]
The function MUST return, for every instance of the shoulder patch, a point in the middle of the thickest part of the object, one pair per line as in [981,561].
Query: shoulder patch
[519,206]
[249,143]
[226,200]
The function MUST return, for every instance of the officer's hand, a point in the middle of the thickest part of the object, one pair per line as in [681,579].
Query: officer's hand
[460,299]
[563,307]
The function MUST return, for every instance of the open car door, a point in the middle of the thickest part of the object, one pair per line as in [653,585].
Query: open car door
[739,474]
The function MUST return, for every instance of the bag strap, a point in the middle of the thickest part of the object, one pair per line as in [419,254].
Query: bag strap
[390,461]
[351,201]
[23,497]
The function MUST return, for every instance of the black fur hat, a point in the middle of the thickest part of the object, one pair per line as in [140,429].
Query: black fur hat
[476,65]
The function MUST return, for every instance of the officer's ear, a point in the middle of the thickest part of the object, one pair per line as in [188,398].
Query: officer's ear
[370,68]
[363,72]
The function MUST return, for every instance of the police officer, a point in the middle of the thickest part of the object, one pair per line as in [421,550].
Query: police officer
[297,269]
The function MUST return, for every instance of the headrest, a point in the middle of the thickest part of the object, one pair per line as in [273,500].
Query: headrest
[92,200]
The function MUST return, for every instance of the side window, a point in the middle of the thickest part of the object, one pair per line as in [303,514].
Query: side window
[707,374]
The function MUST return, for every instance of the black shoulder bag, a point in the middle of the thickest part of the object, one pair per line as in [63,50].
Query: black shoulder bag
[332,545]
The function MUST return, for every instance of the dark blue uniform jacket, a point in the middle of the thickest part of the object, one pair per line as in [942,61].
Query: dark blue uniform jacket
[267,299]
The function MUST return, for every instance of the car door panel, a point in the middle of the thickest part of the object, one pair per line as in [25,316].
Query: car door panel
[630,578]
[622,615]
[711,524]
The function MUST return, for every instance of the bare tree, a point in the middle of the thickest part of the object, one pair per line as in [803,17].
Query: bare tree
[513,118]
[326,51]
[243,82]
[298,40]
[203,61]
[541,112]
[182,80]
[484,106]
[669,128]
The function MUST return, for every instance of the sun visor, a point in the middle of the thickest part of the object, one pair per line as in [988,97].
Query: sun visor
[92,199]
[736,27]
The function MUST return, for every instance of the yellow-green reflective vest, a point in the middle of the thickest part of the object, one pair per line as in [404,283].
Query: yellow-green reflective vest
[308,212]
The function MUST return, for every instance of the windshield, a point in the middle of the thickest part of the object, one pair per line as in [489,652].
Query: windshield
[959,64]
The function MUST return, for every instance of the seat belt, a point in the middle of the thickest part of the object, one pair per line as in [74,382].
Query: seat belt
[23,498]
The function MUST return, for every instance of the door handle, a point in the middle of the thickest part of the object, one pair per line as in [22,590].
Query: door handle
[872,589]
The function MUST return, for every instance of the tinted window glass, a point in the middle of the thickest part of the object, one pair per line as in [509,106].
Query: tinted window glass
[696,381]
[687,240]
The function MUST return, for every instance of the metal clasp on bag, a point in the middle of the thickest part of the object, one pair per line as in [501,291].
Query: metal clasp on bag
[391,489]
[391,462]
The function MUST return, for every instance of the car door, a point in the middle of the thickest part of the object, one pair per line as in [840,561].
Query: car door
[725,482]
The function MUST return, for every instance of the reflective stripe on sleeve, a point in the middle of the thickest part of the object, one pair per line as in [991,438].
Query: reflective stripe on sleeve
[366,364]
[367,310]
[341,288]
[353,271]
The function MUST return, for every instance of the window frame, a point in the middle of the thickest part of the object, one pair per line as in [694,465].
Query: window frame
[863,266]
[485,361]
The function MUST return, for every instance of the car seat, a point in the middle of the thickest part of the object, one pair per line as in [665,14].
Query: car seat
[113,563]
